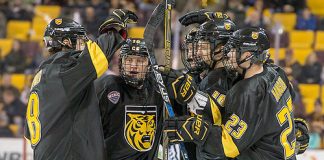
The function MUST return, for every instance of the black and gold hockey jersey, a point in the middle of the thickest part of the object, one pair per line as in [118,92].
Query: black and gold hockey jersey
[216,84]
[131,118]
[63,117]
[258,121]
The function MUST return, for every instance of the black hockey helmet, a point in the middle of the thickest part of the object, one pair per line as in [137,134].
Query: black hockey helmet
[134,72]
[213,33]
[60,29]
[253,40]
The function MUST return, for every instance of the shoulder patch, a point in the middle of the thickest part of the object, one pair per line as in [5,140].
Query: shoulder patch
[113,97]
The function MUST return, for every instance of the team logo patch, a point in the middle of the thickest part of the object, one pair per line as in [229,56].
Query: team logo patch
[58,21]
[113,97]
[140,127]
[255,35]
[227,26]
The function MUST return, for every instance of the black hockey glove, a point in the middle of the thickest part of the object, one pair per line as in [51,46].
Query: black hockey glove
[302,136]
[118,20]
[184,88]
[200,17]
[186,129]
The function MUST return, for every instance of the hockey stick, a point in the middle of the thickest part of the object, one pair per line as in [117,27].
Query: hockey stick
[167,106]
[150,29]
[167,35]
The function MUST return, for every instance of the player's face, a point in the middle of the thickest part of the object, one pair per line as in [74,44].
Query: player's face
[80,44]
[135,66]
[230,62]
[190,56]
[218,55]
[203,51]
[243,57]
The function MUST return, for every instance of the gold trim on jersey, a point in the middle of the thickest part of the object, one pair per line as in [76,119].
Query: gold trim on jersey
[98,58]
[217,117]
[36,79]
[230,148]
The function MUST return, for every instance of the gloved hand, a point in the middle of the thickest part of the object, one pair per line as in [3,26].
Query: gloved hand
[118,20]
[184,88]
[200,17]
[198,103]
[302,136]
[187,129]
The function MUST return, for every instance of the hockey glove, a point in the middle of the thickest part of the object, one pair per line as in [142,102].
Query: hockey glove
[200,17]
[302,136]
[118,20]
[186,129]
[198,103]
[184,89]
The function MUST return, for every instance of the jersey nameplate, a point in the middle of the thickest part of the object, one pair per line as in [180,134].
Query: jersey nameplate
[140,126]
[278,89]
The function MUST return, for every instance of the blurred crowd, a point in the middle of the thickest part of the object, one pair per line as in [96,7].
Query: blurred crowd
[26,56]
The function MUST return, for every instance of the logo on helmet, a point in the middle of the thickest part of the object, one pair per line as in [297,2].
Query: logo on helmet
[58,21]
[255,35]
[227,26]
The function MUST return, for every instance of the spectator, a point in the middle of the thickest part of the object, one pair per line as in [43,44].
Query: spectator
[12,104]
[235,10]
[316,120]
[18,11]
[299,107]
[291,66]
[99,5]
[305,20]
[285,5]
[15,61]
[311,71]
[3,25]
[90,22]
[4,126]
[1,63]
[257,18]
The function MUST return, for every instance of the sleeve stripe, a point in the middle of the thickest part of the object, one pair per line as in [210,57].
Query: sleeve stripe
[98,58]
[230,148]
[217,117]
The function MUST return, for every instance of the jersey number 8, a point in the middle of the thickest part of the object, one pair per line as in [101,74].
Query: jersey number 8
[33,122]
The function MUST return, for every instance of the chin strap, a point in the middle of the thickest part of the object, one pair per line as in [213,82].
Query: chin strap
[243,61]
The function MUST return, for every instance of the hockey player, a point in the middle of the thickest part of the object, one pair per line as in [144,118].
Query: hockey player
[218,81]
[131,107]
[252,105]
[63,117]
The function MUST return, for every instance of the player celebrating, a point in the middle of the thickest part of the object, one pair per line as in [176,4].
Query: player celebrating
[258,119]
[218,80]
[131,107]
[63,117]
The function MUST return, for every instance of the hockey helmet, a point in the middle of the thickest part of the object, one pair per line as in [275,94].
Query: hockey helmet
[253,40]
[210,36]
[60,30]
[134,62]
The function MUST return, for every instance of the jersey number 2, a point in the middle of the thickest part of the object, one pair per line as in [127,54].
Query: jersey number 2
[33,122]
[284,116]
[233,122]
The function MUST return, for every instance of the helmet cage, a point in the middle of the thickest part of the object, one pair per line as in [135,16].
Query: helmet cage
[54,38]
[209,41]
[134,78]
